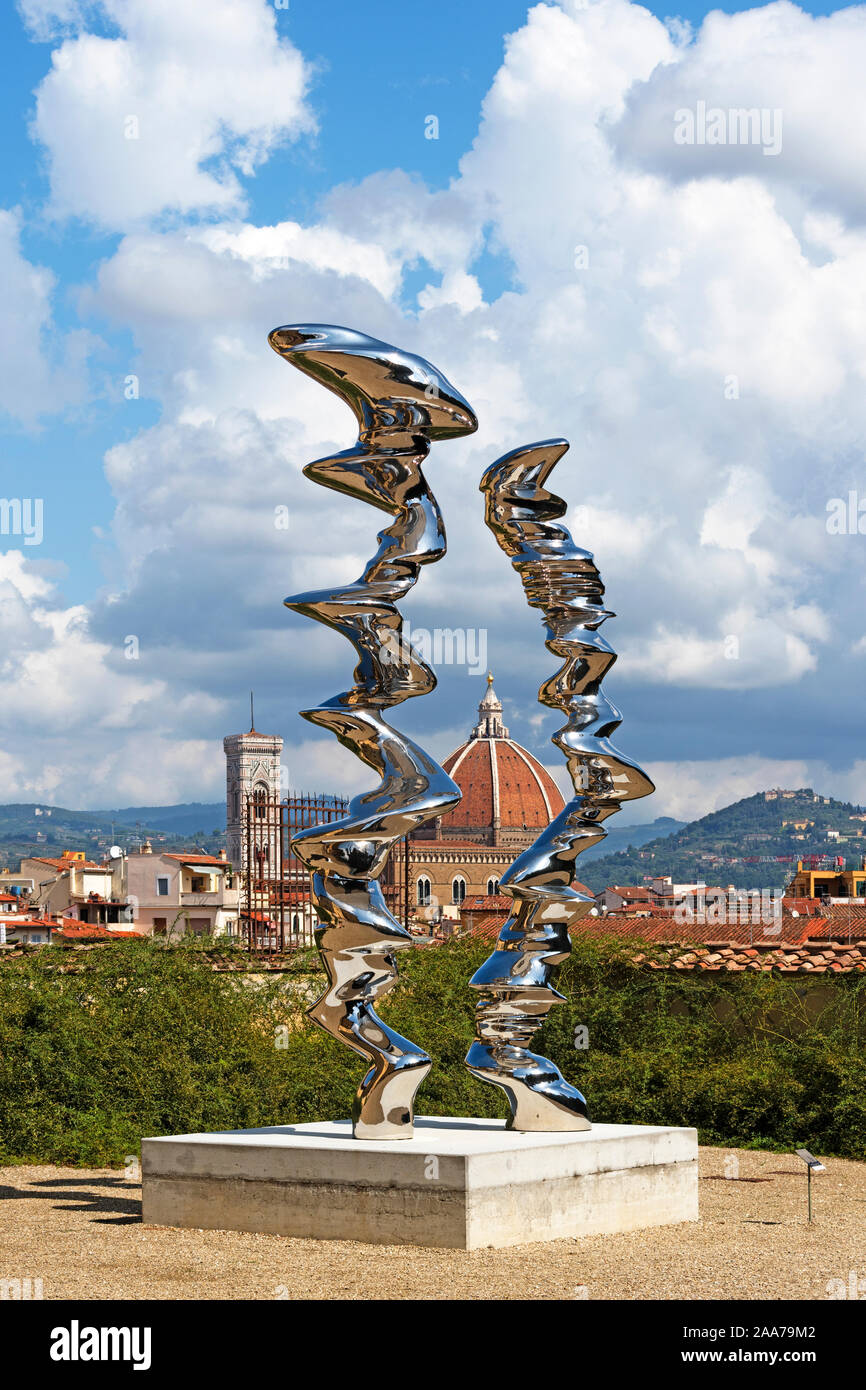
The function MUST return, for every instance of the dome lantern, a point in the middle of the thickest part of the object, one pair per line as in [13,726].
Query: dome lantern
[490,723]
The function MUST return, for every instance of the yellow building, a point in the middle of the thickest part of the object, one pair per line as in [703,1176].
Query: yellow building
[828,883]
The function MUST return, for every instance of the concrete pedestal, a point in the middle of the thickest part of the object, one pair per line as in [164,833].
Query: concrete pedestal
[459,1183]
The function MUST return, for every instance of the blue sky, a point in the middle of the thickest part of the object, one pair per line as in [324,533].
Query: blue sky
[370,109]
[371,76]
[371,98]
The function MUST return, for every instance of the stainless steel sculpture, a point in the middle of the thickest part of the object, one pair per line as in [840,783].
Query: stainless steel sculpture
[401,404]
[514,983]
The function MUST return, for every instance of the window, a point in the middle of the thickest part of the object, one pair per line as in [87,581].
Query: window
[492,887]
[260,797]
[159,925]
[458,890]
[162,887]
[423,890]
[200,883]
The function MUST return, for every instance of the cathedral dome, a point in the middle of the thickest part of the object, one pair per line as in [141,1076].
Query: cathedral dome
[508,797]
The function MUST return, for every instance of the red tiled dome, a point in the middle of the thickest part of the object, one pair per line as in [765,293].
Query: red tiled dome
[508,797]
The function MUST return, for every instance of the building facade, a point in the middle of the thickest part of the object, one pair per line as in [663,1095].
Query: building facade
[73,888]
[171,894]
[508,798]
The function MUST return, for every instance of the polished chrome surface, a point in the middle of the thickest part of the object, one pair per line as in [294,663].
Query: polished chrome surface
[401,403]
[514,983]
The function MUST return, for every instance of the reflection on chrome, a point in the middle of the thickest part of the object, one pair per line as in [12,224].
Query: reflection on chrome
[514,987]
[401,404]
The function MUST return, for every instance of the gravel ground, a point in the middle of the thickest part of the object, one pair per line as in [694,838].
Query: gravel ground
[80,1231]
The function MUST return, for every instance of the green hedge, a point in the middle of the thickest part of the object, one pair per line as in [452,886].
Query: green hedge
[144,1039]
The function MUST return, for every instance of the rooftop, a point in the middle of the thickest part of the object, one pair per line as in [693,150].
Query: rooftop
[198,859]
[787,958]
[64,863]
[85,933]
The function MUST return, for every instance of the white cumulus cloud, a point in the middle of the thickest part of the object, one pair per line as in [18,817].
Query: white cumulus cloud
[164,117]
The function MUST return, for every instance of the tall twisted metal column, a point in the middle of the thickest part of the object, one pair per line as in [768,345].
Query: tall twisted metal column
[514,983]
[401,404]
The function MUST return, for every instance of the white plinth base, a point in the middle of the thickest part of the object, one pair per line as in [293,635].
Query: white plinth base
[459,1183]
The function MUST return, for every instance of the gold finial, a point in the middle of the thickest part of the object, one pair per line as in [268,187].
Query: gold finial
[489,677]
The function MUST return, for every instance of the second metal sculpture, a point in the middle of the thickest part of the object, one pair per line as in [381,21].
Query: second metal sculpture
[401,404]
[514,983]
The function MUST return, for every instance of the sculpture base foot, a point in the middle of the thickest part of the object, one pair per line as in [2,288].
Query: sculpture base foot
[539,1097]
[458,1183]
[387,1108]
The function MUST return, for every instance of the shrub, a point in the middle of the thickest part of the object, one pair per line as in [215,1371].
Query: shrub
[138,1038]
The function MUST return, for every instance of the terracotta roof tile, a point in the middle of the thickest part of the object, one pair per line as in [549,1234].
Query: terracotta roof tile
[88,933]
[497,902]
[65,863]
[13,923]
[786,959]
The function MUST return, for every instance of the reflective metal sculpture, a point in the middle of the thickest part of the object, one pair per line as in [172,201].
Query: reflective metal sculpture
[401,403]
[514,983]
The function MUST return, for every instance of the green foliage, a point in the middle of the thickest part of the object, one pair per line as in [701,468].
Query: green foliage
[142,1039]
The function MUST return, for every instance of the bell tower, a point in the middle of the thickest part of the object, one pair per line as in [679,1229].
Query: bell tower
[252,767]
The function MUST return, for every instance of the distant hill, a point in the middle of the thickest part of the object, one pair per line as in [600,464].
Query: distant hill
[186,818]
[623,837]
[37,828]
[753,843]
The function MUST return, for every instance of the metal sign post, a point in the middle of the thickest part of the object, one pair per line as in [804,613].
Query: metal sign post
[813,1165]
